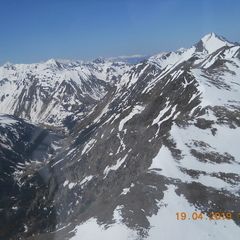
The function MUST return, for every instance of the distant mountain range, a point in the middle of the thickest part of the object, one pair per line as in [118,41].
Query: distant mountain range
[115,148]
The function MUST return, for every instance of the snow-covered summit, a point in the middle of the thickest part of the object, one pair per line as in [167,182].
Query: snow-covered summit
[212,42]
[202,49]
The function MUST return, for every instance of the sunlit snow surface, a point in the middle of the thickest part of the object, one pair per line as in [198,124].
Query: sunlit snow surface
[164,225]
[91,230]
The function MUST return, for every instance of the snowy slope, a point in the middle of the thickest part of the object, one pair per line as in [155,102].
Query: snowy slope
[162,139]
[51,91]
[211,42]
[197,113]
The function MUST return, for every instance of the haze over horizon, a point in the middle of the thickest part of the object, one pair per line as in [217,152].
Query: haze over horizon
[34,32]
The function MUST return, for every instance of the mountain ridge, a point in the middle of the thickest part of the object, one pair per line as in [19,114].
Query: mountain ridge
[154,144]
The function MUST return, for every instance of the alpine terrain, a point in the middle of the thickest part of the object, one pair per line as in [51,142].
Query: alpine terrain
[118,148]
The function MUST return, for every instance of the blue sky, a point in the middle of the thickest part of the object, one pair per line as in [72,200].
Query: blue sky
[36,30]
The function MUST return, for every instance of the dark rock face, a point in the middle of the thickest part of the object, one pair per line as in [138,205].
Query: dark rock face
[199,46]
[154,128]
[24,148]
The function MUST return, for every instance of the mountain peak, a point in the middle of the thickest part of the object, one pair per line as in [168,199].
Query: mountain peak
[212,42]
[208,36]
[53,63]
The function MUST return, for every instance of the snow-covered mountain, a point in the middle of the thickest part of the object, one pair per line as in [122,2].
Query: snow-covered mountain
[207,45]
[161,137]
[54,92]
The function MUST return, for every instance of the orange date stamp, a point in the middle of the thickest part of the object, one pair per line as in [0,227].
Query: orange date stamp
[182,216]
